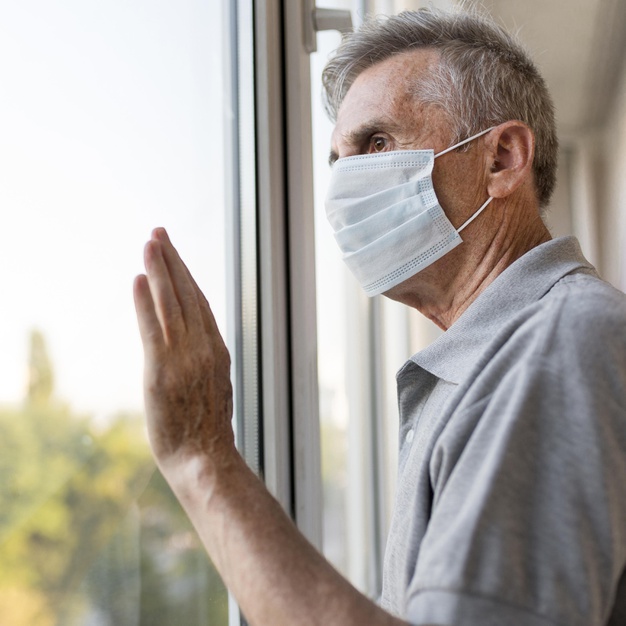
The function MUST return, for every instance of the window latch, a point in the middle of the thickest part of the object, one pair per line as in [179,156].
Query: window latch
[316,20]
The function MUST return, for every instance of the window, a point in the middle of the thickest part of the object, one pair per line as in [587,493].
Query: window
[362,343]
[116,117]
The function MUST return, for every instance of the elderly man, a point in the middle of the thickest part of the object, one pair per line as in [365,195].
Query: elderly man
[511,505]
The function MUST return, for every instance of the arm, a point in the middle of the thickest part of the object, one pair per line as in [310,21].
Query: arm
[274,573]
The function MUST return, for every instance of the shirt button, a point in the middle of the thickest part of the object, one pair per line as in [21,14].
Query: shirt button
[409,436]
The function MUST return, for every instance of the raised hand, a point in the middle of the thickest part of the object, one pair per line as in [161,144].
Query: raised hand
[188,393]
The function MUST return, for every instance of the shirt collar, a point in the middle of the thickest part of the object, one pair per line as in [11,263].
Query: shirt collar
[524,282]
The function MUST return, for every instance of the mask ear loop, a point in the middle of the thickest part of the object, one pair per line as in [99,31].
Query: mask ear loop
[471,219]
[458,145]
[461,143]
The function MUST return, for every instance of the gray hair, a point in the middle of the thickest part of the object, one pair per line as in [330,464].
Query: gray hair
[484,78]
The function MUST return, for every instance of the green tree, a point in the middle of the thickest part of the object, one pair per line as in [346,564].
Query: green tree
[87,526]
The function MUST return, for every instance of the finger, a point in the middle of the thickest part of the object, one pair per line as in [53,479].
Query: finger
[208,319]
[203,307]
[185,287]
[149,326]
[210,325]
[166,305]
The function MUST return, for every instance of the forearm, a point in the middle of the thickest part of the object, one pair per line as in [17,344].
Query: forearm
[273,572]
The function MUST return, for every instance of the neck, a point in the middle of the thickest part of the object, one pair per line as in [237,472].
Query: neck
[470,269]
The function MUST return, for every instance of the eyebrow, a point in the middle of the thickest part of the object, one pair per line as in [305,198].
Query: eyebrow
[358,135]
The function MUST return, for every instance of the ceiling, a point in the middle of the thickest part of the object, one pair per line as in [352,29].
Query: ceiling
[579,46]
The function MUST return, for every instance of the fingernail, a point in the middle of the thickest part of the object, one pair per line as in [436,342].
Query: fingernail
[159,233]
[151,250]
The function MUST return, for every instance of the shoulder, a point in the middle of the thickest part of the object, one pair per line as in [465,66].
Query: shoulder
[585,296]
[581,317]
[563,352]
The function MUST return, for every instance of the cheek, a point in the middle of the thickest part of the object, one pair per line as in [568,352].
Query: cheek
[459,186]
[447,186]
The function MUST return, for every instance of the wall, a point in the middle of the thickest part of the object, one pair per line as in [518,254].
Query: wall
[611,178]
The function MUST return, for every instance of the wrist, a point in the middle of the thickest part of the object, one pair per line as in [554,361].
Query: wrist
[196,476]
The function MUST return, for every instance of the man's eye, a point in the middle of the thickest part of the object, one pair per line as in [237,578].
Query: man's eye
[378,144]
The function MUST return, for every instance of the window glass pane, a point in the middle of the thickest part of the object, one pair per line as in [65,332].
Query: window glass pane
[362,342]
[111,122]
[330,274]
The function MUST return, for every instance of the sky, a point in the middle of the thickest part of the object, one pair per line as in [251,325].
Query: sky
[111,123]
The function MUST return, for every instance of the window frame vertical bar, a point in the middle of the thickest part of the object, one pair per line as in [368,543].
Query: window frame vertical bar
[273,254]
[305,400]
[292,466]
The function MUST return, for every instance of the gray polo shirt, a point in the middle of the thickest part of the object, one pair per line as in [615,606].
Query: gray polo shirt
[511,504]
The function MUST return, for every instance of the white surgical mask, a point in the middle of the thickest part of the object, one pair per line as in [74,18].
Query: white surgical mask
[386,217]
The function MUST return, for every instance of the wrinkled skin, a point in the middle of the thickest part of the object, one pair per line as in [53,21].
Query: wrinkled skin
[276,576]
[188,393]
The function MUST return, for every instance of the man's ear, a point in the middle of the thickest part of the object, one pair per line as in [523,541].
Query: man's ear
[510,151]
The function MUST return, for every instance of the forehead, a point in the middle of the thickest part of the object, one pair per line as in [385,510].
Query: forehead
[385,91]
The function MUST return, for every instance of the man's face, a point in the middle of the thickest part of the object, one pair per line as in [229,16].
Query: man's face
[380,113]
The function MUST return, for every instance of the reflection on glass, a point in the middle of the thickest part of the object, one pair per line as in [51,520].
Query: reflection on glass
[110,126]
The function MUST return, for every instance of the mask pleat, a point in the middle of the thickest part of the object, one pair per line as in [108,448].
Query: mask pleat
[386,216]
